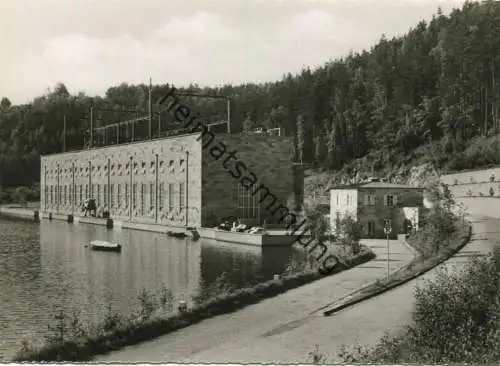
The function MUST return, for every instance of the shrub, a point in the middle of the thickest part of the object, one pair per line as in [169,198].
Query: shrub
[147,304]
[220,286]
[440,222]
[166,299]
[351,233]
[111,321]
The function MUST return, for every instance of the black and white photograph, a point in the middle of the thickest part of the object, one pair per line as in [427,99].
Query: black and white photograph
[250,181]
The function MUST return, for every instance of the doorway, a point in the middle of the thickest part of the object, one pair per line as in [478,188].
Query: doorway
[371,228]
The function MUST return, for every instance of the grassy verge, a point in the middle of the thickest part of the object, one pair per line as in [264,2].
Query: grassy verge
[117,332]
[417,267]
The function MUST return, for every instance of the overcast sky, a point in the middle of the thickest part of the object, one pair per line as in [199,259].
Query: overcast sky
[90,45]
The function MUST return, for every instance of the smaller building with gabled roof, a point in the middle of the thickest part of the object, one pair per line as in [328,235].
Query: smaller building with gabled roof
[377,204]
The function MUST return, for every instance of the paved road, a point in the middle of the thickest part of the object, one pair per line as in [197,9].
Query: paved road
[272,330]
[283,329]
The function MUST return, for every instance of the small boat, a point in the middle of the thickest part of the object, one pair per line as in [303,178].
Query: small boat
[176,234]
[105,246]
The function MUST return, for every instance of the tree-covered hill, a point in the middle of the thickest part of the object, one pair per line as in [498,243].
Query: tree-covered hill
[431,95]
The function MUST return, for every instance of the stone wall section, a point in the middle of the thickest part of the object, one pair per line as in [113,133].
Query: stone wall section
[479,183]
[116,172]
[269,157]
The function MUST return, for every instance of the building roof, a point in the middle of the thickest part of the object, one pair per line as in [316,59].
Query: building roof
[371,185]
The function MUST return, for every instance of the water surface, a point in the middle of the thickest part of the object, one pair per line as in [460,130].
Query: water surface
[46,266]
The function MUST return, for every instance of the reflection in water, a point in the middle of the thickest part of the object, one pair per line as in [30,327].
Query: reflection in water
[47,265]
[244,265]
[93,280]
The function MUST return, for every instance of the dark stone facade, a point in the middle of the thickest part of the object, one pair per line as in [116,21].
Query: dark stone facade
[268,157]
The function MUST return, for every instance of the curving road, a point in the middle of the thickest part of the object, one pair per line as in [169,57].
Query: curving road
[282,336]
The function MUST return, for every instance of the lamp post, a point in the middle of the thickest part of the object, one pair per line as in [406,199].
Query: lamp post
[387,231]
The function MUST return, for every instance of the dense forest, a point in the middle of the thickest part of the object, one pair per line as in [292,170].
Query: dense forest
[431,95]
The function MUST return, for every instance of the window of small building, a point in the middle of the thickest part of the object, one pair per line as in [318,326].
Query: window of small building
[389,200]
[370,200]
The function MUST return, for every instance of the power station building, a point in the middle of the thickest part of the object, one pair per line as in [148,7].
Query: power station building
[190,180]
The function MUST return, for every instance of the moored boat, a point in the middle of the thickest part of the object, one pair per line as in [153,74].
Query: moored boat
[176,234]
[105,246]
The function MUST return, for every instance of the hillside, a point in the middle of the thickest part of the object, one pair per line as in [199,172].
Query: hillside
[430,96]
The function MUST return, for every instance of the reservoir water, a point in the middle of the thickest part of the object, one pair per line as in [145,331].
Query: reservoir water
[45,266]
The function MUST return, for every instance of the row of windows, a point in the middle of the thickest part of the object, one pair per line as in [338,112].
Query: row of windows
[119,167]
[370,200]
[119,195]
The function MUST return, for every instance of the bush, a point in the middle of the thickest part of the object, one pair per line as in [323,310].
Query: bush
[221,286]
[440,224]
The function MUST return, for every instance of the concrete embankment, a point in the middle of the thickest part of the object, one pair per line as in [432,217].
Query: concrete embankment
[34,214]
[272,238]
[20,213]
